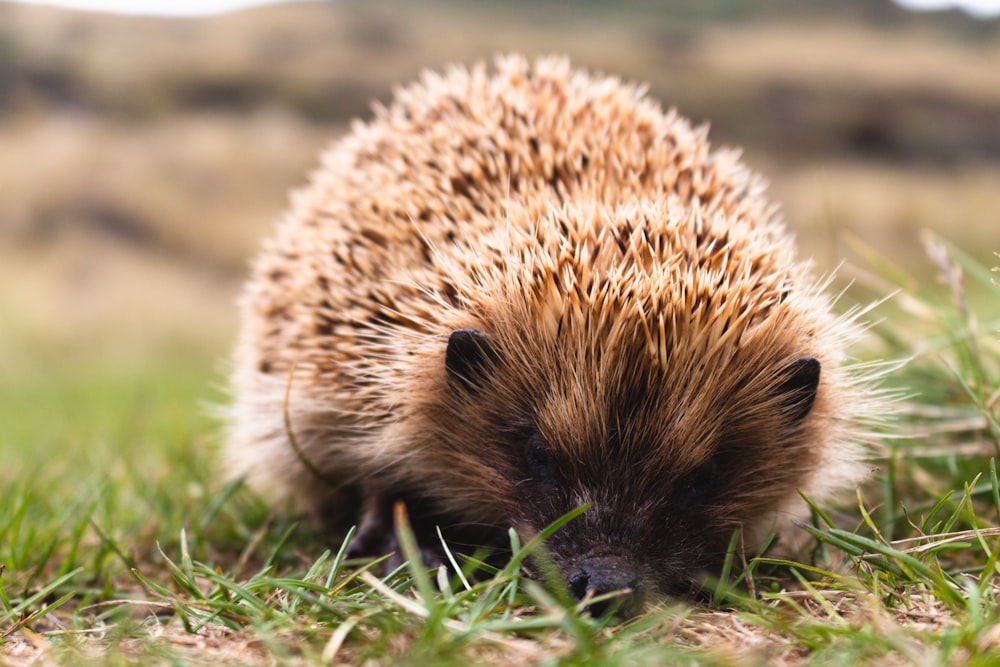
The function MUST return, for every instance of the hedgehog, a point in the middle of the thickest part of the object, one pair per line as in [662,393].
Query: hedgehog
[520,290]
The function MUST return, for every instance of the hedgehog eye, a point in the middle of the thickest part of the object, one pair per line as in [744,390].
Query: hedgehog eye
[798,390]
[698,485]
[468,357]
[538,460]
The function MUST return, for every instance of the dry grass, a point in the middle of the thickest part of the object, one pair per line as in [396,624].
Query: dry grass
[891,59]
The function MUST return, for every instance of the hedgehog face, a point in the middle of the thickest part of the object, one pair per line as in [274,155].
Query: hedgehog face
[666,477]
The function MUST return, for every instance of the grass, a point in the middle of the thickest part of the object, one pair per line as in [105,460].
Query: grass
[119,545]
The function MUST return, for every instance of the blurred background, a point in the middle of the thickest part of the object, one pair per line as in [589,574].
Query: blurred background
[143,158]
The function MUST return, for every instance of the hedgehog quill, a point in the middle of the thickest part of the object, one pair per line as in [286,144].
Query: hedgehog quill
[518,291]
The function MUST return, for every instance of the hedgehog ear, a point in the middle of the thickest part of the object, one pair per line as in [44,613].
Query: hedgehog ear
[468,357]
[798,391]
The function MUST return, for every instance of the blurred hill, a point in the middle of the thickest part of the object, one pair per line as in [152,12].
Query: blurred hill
[142,159]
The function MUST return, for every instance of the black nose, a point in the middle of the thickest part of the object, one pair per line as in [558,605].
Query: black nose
[606,574]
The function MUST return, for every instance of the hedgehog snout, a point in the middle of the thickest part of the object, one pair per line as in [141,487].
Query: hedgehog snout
[607,574]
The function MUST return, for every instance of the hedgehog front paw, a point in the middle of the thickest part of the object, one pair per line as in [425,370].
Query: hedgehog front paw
[377,535]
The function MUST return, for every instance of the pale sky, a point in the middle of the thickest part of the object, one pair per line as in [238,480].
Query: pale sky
[975,7]
[203,7]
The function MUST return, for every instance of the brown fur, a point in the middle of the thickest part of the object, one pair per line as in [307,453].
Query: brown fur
[639,295]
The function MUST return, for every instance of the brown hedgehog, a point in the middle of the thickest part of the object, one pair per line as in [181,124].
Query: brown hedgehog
[513,294]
